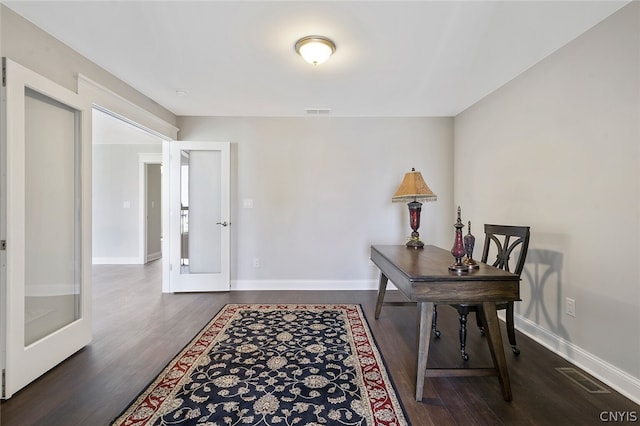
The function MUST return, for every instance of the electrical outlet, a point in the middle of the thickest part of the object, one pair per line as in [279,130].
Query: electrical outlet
[570,307]
[256,262]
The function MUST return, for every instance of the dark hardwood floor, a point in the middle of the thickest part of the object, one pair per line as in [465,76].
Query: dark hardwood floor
[137,330]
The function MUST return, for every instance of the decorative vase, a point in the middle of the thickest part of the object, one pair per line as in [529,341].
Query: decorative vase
[458,247]
[469,243]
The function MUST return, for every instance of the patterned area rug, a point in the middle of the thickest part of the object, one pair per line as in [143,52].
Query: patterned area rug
[275,365]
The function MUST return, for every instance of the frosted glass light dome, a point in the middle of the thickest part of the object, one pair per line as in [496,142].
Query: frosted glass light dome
[315,49]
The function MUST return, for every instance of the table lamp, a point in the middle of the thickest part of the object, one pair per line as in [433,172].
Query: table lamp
[414,189]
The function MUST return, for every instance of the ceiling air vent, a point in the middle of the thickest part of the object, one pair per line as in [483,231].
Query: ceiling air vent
[317,111]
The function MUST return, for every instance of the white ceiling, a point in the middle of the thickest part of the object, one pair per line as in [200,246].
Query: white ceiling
[393,58]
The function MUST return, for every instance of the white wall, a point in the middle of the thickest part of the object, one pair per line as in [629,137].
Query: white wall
[116,201]
[321,189]
[558,149]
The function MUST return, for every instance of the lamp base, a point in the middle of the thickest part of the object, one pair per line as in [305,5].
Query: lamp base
[416,244]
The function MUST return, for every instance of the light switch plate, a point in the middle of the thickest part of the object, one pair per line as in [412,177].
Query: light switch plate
[571,307]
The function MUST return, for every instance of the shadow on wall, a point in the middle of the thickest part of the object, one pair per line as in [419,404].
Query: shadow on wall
[543,273]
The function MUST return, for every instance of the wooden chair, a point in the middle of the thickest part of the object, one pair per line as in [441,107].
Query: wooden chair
[505,239]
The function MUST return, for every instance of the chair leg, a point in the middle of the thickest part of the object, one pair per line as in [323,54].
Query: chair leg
[463,335]
[511,332]
[435,320]
[479,322]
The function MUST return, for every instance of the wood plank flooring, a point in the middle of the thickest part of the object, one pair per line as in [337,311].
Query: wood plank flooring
[137,330]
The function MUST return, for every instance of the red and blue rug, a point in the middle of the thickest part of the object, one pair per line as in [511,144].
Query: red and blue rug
[277,365]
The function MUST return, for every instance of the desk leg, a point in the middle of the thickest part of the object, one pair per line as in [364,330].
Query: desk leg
[494,338]
[382,288]
[425,319]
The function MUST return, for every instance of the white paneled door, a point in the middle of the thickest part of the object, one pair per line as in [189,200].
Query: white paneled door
[46,212]
[198,225]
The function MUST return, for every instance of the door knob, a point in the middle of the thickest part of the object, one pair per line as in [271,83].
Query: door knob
[223,223]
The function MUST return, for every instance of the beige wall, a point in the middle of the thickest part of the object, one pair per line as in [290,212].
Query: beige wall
[322,190]
[558,149]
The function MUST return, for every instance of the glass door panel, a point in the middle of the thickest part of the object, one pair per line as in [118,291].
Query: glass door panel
[52,291]
[200,195]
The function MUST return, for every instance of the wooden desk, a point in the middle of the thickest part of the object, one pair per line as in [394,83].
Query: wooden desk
[422,275]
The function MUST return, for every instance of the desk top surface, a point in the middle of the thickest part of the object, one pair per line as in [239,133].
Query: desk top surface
[432,263]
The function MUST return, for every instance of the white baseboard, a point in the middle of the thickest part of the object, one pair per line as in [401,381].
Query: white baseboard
[117,261]
[246,285]
[617,379]
[154,256]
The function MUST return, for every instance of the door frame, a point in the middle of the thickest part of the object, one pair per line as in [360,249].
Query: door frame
[171,216]
[23,364]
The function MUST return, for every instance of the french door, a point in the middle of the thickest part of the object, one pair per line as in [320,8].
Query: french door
[46,212]
[197,177]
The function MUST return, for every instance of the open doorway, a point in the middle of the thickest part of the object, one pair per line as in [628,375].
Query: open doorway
[151,217]
[127,203]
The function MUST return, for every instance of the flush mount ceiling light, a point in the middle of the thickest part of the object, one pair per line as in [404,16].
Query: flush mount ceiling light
[315,49]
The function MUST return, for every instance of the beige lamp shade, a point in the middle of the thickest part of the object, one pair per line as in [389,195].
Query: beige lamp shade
[413,188]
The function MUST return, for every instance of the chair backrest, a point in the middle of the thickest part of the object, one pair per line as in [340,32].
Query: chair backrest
[506,239]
